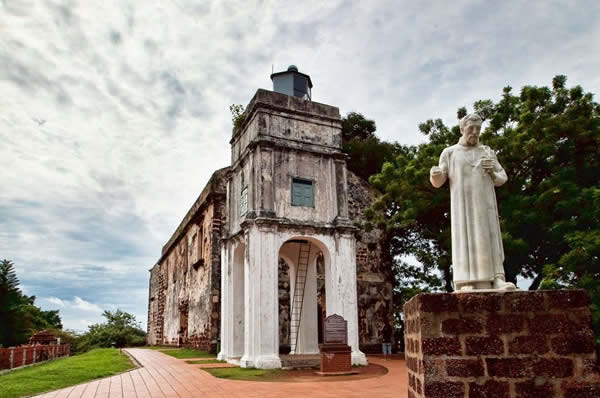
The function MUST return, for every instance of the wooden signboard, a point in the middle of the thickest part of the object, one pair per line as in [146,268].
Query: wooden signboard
[335,330]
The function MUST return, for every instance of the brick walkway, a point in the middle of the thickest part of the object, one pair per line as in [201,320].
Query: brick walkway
[165,376]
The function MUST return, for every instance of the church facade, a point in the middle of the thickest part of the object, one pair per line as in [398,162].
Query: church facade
[270,247]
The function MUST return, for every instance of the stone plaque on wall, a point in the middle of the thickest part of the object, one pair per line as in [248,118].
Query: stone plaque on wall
[335,330]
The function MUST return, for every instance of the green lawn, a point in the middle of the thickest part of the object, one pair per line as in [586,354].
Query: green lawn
[200,361]
[63,372]
[244,373]
[183,353]
[158,347]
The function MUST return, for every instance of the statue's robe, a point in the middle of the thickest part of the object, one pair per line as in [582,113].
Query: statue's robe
[477,252]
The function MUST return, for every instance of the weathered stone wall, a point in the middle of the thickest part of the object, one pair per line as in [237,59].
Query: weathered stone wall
[374,277]
[268,115]
[373,268]
[508,345]
[155,307]
[282,137]
[184,307]
[284,303]
[310,166]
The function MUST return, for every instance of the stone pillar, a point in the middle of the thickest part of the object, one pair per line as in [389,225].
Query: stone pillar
[341,188]
[265,184]
[505,344]
[12,357]
[238,266]
[226,303]
[340,287]
[262,312]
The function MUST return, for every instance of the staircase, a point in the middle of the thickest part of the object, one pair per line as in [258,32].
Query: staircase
[298,299]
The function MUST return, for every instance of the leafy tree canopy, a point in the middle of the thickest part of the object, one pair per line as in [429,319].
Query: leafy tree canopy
[238,115]
[367,153]
[120,329]
[547,139]
[19,316]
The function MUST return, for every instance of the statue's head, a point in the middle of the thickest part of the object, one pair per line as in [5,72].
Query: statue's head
[470,127]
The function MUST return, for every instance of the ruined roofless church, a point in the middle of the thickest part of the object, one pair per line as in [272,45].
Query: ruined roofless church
[269,248]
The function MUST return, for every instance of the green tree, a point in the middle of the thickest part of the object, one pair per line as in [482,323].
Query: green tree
[19,316]
[547,139]
[10,299]
[120,329]
[366,151]
[238,115]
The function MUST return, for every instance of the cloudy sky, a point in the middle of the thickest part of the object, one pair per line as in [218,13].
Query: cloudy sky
[113,114]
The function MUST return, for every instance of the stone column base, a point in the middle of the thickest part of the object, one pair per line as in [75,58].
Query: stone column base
[501,344]
[262,362]
[359,358]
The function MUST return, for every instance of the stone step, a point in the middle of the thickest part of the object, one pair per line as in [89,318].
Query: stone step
[300,361]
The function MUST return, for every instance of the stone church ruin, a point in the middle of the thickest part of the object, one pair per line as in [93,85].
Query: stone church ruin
[270,247]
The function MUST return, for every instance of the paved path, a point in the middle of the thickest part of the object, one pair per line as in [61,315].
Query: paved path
[163,376]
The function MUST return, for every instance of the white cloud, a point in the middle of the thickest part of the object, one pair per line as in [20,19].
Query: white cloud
[83,305]
[76,313]
[76,304]
[56,301]
[115,114]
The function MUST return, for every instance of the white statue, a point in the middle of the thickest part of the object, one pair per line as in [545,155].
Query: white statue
[473,171]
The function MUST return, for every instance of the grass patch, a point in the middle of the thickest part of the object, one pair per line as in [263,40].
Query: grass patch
[245,373]
[183,353]
[205,361]
[158,347]
[64,372]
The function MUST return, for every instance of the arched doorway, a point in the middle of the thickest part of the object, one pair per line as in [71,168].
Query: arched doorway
[302,309]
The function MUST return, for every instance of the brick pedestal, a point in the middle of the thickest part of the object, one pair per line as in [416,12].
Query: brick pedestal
[504,345]
[335,359]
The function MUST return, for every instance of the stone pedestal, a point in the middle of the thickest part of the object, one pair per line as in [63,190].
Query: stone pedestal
[501,344]
[335,359]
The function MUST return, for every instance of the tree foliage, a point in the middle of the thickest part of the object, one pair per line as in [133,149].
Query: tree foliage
[120,329]
[19,316]
[547,139]
[366,151]
[238,115]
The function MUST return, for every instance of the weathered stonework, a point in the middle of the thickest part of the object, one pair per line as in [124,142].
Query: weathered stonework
[184,304]
[185,298]
[373,270]
[514,345]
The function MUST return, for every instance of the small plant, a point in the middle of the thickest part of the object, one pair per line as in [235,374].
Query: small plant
[238,115]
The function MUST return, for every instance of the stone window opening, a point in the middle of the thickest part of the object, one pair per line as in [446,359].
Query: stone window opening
[198,249]
[303,192]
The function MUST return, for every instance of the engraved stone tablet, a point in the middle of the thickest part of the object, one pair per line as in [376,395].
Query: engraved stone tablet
[335,330]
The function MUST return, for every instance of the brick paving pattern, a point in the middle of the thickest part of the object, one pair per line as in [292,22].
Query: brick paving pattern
[165,377]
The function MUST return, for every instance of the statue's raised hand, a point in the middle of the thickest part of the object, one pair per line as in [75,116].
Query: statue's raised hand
[436,171]
[488,164]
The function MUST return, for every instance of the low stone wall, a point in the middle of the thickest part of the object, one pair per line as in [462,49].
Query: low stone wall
[505,345]
[16,357]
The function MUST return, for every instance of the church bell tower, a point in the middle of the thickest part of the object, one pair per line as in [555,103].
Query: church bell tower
[286,190]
